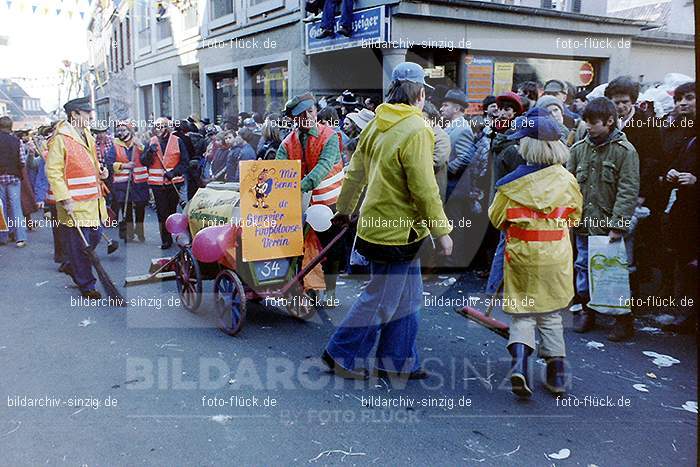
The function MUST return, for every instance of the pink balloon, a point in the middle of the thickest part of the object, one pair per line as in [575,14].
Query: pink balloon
[229,238]
[176,223]
[207,244]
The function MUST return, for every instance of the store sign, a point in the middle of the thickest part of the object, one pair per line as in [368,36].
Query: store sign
[368,26]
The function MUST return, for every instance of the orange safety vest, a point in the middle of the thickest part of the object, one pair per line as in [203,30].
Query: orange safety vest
[171,158]
[139,172]
[328,190]
[81,175]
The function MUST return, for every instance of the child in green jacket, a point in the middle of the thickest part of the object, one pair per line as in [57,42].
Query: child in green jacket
[606,167]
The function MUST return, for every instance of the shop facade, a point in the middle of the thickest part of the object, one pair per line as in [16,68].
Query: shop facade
[255,56]
[480,49]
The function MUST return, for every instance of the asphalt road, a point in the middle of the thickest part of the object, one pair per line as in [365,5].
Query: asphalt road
[140,386]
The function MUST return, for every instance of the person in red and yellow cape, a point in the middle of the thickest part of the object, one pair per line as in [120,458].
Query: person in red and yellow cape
[317,146]
[75,178]
[534,205]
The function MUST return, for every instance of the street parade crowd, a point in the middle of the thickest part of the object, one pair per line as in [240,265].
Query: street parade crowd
[511,195]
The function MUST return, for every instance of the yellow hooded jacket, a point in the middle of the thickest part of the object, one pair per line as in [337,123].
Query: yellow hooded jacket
[89,213]
[535,211]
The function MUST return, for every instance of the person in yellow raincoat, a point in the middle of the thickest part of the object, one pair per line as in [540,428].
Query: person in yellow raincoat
[535,205]
[75,177]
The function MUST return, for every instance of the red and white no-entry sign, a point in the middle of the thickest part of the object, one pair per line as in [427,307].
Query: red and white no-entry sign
[585,74]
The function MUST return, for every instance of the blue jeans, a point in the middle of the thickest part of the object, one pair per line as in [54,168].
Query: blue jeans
[11,196]
[581,267]
[328,19]
[388,307]
[79,261]
[496,274]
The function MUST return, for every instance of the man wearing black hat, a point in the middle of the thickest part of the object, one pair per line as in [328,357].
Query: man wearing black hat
[75,176]
[460,133]
[461,153]
[490,107]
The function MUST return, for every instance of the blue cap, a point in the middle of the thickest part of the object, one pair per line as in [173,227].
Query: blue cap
[536,124]
[409,71]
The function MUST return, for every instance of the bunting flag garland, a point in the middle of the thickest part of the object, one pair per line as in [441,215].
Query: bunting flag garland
[59,8]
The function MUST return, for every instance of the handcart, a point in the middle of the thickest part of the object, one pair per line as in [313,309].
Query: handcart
[236,282]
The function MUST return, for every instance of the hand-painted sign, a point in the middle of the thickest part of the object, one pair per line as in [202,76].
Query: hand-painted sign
[271,209]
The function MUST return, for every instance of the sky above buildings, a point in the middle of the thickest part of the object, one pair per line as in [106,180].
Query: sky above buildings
[40,35]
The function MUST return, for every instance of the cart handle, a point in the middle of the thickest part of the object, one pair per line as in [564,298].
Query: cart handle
[312,264]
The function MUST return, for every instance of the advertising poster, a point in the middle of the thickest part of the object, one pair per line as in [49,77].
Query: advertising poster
[502,77]
[271,209]
[479,78]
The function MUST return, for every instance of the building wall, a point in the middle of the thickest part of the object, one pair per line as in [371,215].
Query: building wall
[681,19]
[196,57]
[665,59]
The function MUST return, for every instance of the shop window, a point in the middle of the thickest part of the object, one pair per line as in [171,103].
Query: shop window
[492,75]
[269,87]
[225,96]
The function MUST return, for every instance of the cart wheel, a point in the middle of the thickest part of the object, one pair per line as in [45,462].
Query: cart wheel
[230,302]
[189,280]
[299,304]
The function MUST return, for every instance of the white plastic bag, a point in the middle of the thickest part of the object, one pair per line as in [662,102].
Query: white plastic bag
[608,276]
[356,258]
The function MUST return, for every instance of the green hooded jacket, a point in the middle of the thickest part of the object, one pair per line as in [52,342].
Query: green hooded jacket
[394,161]
[608,175]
